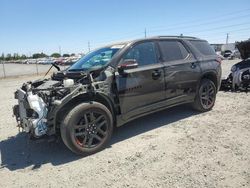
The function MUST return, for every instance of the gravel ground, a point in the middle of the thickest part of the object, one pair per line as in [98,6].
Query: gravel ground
[172,148]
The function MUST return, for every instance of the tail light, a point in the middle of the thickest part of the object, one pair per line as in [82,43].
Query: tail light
[219,60]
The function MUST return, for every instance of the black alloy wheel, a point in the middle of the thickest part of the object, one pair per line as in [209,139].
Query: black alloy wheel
[87,128]
[91,129]
[206,96]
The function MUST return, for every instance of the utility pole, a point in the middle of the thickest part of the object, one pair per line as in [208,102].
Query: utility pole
[89,46]
[36,68]
[60,50]
[4,73]
[145,33]
[227,38]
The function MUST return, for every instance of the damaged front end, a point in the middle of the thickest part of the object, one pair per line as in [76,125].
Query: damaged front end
[36,100]
[31,113]
[40,102]
[239,78]
[43,104]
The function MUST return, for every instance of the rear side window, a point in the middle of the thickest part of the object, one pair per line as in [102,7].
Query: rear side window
[173,50]
[203,47]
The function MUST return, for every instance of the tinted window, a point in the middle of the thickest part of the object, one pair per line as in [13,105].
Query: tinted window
[203,47]
[173,50]
[143,53]
[95,59]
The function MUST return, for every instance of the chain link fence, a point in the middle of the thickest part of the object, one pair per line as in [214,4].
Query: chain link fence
[16,69]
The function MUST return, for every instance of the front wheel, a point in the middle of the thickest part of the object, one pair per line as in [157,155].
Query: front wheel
[205,97]
[87,128]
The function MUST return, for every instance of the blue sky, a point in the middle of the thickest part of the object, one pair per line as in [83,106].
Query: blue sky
[29,26]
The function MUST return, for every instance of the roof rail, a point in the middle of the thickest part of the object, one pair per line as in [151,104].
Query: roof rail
[176,36]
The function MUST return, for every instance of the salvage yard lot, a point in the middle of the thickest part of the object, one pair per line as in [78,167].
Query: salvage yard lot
[172,148]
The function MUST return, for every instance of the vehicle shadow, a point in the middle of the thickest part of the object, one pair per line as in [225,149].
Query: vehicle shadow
[152,121]
[19,152]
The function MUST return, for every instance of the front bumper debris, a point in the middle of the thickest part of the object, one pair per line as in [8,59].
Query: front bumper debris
[30,113]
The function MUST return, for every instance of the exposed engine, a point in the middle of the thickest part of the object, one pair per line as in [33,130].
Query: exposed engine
[35,100]
[39,101]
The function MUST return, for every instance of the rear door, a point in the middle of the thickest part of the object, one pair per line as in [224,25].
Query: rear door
[143,86]
[181,69]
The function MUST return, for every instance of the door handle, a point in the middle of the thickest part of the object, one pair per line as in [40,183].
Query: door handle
[156,74]
[193,65]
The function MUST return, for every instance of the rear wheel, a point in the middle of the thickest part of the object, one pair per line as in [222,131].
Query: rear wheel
[205,97]
[87,128]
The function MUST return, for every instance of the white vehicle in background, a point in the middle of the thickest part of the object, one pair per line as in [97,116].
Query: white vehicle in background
[31,61]
[227,54]
[228,50]
[41,60]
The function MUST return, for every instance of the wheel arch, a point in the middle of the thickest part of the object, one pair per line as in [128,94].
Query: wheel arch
[211,75]
[98,97]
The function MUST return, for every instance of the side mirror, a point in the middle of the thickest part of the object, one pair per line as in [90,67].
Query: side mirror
[127,64]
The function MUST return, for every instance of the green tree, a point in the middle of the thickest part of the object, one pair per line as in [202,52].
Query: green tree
[72,54]
[23,56]
[16,56]
[39,55]
[66,55]
[8,57]
[56,55]
[2,56]
[36,55]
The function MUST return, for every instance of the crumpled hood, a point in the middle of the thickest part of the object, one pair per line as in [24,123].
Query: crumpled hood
[76,75]
[244,49]
[61,75]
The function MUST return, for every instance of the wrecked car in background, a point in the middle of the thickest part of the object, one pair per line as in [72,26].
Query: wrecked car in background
[239,78]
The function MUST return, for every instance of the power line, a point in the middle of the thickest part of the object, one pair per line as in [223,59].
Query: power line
[230,31]
[121,37]
[197,25]
[222,38]
[133,34]
[202,20]
[136,34]
[221,27]
[200,31]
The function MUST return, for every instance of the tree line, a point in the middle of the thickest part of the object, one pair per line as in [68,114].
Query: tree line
[16,56]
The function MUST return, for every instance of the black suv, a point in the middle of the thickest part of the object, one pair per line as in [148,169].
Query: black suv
[116,84]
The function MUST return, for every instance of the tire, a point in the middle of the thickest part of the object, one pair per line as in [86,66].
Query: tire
[87,128]
[205,96]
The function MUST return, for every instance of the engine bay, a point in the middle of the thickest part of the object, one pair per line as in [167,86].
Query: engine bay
[40,100]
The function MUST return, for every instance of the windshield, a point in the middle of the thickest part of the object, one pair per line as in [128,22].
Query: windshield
[95,60]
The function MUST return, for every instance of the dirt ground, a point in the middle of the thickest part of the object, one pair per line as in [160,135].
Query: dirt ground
[172,148]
